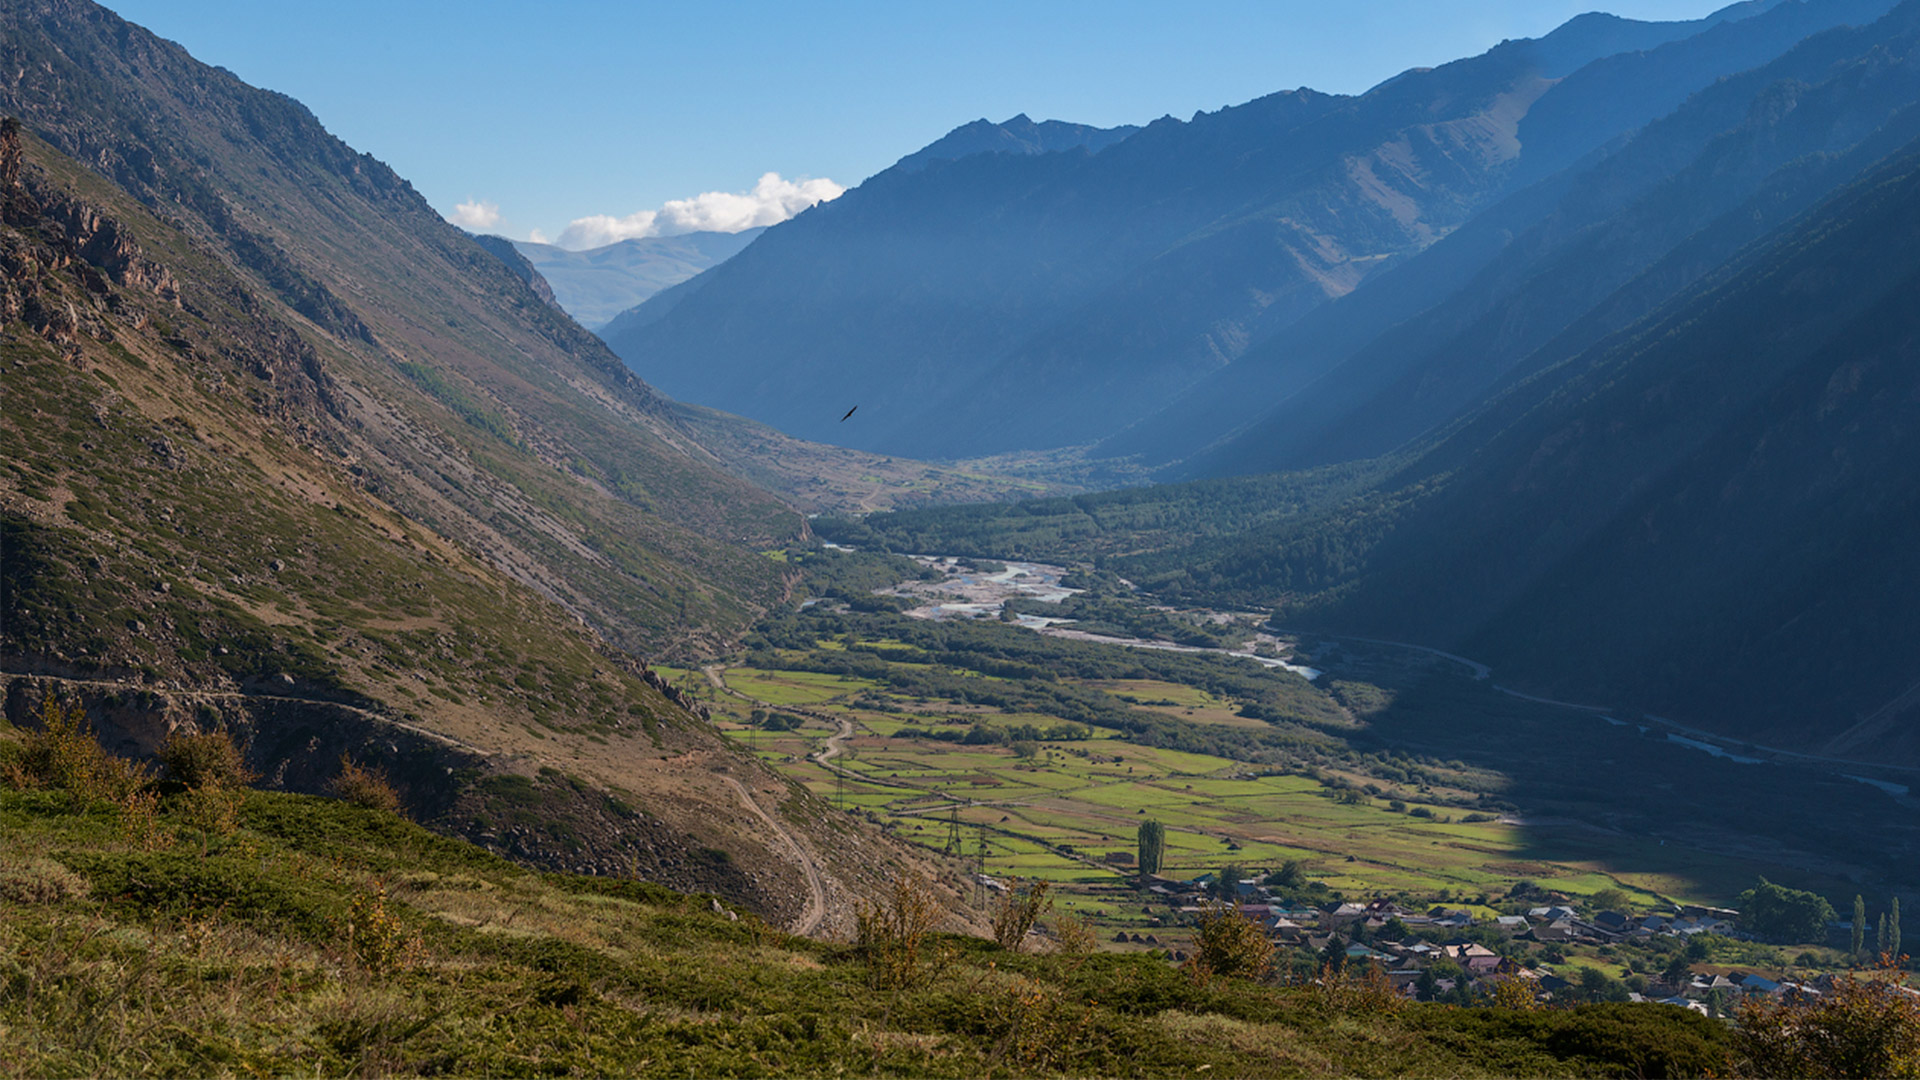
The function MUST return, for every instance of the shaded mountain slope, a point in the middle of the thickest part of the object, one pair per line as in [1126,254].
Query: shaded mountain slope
[1507,281]
[1704,516]
[1020,135]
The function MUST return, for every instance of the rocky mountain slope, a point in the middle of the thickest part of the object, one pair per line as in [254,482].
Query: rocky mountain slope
[287,454]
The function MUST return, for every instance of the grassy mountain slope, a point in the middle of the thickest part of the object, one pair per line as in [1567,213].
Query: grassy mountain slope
[183,548]
[287,455]
[477,409]
[317,936]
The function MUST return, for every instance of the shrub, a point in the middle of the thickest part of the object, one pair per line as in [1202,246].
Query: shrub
[65,756]
[1229,943]
[892,936]
[1042,1030]
[210,809]
[200,760]
[1017,912]
[375,937]
[1074,940]
[140,823]
[365,787]
[1865,1027]
[40,881]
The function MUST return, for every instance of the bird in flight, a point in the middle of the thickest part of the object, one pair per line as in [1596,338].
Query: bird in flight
[850,412]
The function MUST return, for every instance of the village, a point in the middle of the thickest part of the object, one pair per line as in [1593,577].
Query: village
[1559,952]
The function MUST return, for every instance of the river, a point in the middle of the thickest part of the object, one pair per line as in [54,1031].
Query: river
[963,593]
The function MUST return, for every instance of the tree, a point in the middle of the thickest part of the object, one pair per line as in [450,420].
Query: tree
[1893,928]
[1230,944]
[1227,884]
[1153,846]
[1291,875]
[1611,899]
[1783,914]
[1859,926]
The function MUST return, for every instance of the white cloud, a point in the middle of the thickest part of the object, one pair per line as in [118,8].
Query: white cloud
[475,215]
[538,237]
[771,201]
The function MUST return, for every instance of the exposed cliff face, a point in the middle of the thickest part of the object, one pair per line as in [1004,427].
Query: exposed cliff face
[503,249]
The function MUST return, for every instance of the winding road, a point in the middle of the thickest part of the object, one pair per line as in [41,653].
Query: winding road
[816,910]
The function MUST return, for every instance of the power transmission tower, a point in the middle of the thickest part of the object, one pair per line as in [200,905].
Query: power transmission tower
[953,844]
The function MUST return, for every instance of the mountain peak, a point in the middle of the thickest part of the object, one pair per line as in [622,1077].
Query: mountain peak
[1018,134]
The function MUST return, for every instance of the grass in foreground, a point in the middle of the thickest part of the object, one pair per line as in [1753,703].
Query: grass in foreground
[311,936]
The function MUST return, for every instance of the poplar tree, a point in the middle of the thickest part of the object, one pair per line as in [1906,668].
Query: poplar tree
[1893,928]
[1859,926]
[1153,846]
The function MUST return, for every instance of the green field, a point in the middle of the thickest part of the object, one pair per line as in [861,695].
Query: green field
[1058,813]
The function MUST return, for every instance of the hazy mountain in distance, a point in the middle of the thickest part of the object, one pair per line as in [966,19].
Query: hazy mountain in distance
[1003,301]
[595,285]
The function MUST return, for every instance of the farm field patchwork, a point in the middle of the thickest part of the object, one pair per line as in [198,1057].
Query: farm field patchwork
[1058,809]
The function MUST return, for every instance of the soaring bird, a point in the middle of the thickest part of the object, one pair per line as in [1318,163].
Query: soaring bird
[850,412]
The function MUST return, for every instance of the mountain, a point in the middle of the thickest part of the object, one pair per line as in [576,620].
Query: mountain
[1005,301]
[502,248]
[1703,516]
[1640,436]
[288,455]
[1425,342]
[598,284]
[1019,135]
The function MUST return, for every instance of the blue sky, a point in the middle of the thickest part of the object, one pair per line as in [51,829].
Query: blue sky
[564,109]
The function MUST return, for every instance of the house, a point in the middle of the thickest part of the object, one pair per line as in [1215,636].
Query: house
[1511,924]
[1551,914]
[1334,916]
[1558,930]
[1359,952]
[1454,919]
[1613,922]
[1476,958]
